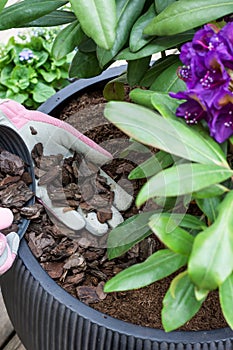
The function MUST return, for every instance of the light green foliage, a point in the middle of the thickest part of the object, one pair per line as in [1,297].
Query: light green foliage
[31,80]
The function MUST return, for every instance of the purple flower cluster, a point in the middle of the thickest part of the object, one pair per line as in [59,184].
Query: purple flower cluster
[208,74]
[26,55]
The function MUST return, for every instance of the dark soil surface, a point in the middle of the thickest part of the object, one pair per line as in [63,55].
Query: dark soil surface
[79,263]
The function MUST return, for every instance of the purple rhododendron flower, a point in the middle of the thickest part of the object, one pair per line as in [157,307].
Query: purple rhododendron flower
[208,73]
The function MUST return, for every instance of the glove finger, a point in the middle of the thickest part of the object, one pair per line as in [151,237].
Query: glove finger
[13,242]
[6,260]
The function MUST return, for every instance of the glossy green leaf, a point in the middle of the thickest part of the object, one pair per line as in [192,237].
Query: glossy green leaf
[42,92]
[159,265]
[20,13]
[157,68]
[127,12]
[211,191]
[114,89]
[67,39]
[182,179]
[97,19]
[142,97]
[2,4]
[87,63]
[127,234]
[209,206]
[211,261]
[160,5]
[155,46]
[137,39]
[136,70]
[54,18]
[174,237]
[168,80]
[181,307]
[164,133]
[152,166]
[165,104]
[183,15]
[226,299]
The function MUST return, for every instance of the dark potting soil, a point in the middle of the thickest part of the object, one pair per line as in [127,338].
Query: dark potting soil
[79,262]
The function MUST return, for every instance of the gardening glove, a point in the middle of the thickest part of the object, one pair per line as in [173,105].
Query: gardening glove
[8,244]
[59,137]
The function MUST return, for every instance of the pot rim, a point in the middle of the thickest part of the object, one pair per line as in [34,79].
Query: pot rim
[39,274]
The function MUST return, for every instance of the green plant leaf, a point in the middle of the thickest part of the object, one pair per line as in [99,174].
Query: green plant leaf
[127,234]
[23,12]
[114,90]
[155,46]
[127,12]
[226,299]
[165,104]
[42,92]
[168,80]
[174,237]
[164,133]
[160,5]
[97,19]
[183,15]
[211,261]
[137,39]
[181,307]
[84,65]
[210,191]
[152,166]
[142,97]
[159,265]
[54,18]
[67,39]
[136,70]
[157,68]
[2,4]
[182,179]
[209,206]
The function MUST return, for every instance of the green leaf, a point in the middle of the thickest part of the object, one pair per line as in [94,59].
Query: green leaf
[159,265]
[180,308]
[226,299]
[97,19]
[136,70]
[42,92]
[182,179]
[84,65]
[20,13]
[142,97]
[211,191]
[157,68]
[175,238]
[209,206]
[2,4]
[155,46]
[152,166]
[168,80]
[127,12]
[127,234]
[211,261]
[183,15]
[48,76]
[164,133]
[67,39]
[164,104]
[162,4]
[54,18]
[137,39]
[114,90]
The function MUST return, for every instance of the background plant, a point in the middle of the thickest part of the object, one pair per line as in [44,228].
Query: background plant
[29,73]
[104,31]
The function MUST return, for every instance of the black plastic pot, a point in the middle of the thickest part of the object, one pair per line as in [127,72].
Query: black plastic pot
[12,142]
[47,318]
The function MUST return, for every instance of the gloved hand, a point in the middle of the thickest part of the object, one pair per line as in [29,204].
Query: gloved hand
[8,244]
[59,137]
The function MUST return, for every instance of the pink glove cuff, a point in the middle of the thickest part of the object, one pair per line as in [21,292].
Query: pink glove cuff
[19,116]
